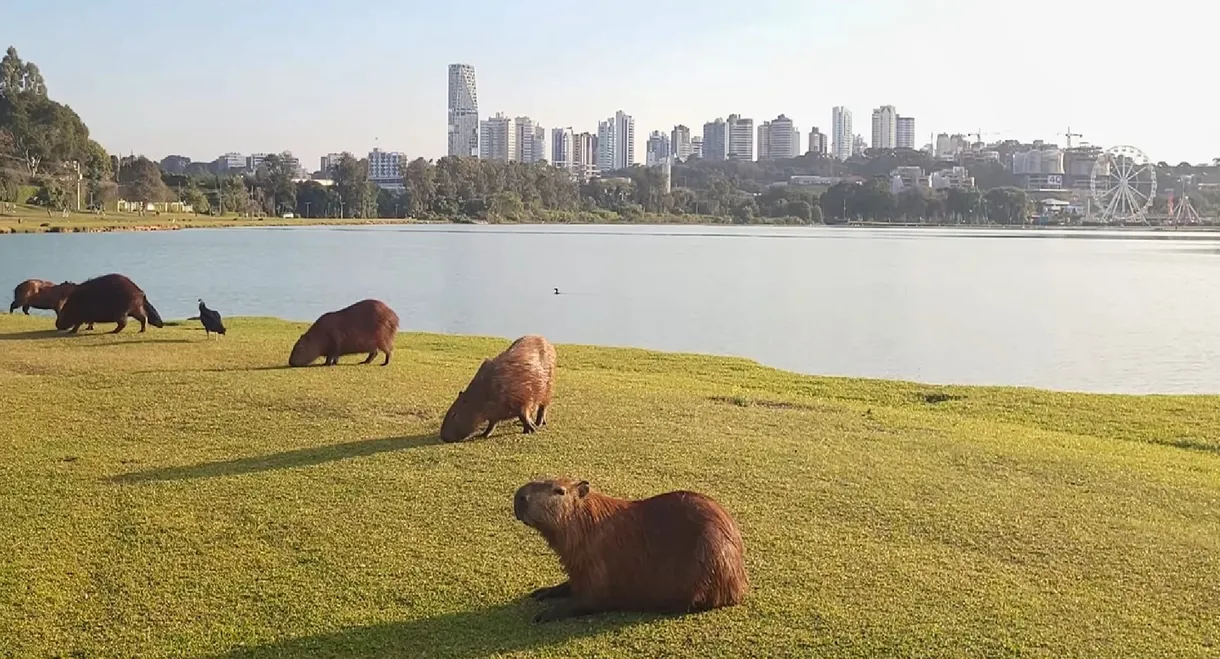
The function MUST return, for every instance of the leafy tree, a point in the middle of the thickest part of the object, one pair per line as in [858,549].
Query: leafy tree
[351,178]
[140,180]
[800,209]
[274,181]
[18,77]
[963,204]
[1006,205]
[313,199]
[505,205]
[40,131]
[51,194]
[195,197]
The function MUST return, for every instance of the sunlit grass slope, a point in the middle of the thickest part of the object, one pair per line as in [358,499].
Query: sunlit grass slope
[32,219]
[163,495]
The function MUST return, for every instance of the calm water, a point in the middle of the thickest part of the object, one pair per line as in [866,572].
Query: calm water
[1086,311]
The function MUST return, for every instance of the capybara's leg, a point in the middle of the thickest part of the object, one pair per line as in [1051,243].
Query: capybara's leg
[540,419]
[75,329]
[527,426]
[25,309]
[491,425]
[143,320]
[562,590]
[569,608]
[331,360]
[13,307]
[386,361]
[370,358]
[120,325]
[88,327]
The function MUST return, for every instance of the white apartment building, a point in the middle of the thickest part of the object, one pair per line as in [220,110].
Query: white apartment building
[531,141]
[818,144]
[657,149]
[231,160]
[584,156]
[885,127]
[778,139]
[841,132]
[680,142]
[498,138]
[464,126]
[562,145]
[696,146]
[328,163]
[906,133]
[740,137]
[386,168]
[616,142]
[255,161]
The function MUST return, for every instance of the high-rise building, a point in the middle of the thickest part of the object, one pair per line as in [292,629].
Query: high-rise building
[906,133]
[530,142]
[715,142]
[657,149]
[778,139]
[696,146]
[386,168]
[740,137]
[328,162]
[562,148]
[616,142]
[840,132]
[817,142]
[858,145]
[255,160]
[464,127]
[679,142]
[584,156]
[885,128]
[498,138]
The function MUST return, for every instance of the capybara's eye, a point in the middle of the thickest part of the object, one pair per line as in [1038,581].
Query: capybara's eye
[559,491]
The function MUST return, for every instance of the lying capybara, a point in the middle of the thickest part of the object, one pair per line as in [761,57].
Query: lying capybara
[107,299]
[366,326]
[26,290]
[517,384]
[676,552]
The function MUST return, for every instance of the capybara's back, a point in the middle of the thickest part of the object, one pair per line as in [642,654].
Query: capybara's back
[52,297]
[24,292]
[676,552]
[519,383]
[366,326]
[107,299]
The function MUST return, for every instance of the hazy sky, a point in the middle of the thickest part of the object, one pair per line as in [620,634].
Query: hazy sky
[157,77]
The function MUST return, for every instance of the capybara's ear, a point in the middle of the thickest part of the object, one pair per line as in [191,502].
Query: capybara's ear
[582,488]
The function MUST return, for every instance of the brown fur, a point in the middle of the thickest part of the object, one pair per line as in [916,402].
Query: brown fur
[366,326]
[107,299]
[52,298]
[676,552]
[25,291]
[517,384]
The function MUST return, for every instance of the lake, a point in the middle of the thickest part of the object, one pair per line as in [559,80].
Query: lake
[1105,311]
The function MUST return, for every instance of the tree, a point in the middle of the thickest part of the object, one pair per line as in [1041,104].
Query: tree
[39,130]
[313,199]
[274,180]
[963,204]
[505,205]
[51,194]
[18,77]
[800,209]
[1006,205]
[351,178]
[140,180]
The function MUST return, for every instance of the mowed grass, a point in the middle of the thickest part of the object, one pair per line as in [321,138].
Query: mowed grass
[32,219]
[162,495]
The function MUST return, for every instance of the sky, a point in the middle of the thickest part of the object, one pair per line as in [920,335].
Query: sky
[160,78]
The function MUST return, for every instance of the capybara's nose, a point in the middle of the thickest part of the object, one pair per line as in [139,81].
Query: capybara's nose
[519,507]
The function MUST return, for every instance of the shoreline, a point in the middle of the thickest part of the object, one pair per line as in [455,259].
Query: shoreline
[20,225]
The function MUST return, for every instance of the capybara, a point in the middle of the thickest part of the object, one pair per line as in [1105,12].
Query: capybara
[366,326]
[52,298]
[107,299]
[676,552]
[26,290]
[517,384]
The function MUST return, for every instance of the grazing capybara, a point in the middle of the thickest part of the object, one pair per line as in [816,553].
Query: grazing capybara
[366,326]
[517,384]
[26,290]
[52,298]
[677,552]
[107,299]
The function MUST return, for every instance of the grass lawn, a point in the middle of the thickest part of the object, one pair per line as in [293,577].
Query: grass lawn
[162,495]
[32,219]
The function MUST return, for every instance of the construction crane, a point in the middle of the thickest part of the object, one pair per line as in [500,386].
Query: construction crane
[1069,135]
[978,135]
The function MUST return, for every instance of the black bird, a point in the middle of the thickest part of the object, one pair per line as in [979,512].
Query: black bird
[210,319]
[556,291]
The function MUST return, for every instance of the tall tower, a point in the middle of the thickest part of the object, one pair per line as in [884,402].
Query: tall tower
[840,133]
[463,111]
[885,128]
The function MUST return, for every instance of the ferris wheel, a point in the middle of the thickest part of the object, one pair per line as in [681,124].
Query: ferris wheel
[1123,185]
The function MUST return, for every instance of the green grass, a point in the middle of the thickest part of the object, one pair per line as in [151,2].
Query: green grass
[162,495]
[33,219]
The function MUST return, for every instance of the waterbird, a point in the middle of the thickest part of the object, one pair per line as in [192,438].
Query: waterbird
[556,291]
[210,319]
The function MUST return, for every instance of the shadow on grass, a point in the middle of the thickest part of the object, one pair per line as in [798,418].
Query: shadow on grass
[304,457]
[132,342]
[31,335]
[466,635]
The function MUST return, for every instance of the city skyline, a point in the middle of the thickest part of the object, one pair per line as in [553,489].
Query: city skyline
[295,98]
